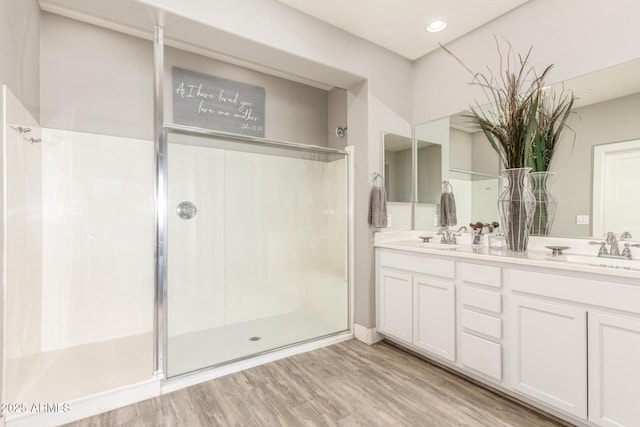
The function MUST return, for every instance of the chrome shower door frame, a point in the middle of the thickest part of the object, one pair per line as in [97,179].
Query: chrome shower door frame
[161,131]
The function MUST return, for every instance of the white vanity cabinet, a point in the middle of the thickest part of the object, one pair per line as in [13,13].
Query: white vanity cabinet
[394,303]
[614,370]
[562,339]
[434,316]
[549,353]
[415,301]
[575,343]
[481,316]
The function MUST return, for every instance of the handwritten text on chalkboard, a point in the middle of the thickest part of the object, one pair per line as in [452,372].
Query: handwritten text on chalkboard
[215,103]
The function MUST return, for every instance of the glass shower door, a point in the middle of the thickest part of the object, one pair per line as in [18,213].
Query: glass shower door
[257,249]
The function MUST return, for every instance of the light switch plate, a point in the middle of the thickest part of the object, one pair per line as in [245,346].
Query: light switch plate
[582,219]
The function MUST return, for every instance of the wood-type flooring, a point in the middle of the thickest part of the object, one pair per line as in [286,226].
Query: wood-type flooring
[346,384]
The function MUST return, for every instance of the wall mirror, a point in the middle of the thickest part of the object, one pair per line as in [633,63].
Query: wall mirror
[471,167]
[398,161]
[397,169]
[596,168]
[412,176]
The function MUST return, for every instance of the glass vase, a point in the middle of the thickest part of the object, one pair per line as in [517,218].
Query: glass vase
[546,204]
[516,207]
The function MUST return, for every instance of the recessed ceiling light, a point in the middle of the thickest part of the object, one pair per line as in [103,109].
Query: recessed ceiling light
[436,25]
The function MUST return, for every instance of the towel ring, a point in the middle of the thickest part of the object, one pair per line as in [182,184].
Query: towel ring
[376,175]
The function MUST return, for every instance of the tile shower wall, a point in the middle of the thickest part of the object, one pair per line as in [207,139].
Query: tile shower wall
[98,225]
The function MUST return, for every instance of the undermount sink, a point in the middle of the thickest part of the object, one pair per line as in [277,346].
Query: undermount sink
[437,245]
[428,245]
[624,264]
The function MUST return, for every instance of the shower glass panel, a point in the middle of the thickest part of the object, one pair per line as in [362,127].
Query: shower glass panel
[256,249]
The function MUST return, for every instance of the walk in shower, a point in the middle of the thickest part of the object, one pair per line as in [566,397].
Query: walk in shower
[256,247]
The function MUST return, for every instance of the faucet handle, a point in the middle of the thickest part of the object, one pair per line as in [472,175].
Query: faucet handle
[425,239]
[603,247]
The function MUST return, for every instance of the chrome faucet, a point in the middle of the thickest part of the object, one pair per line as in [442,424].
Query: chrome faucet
[448,238]
[613,241]
[614,251]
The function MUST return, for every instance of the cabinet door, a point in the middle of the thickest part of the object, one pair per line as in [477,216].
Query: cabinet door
[394,295]
[434,315]
[549,353]
[614,370]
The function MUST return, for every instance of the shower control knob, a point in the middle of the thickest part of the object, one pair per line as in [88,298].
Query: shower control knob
[186,210]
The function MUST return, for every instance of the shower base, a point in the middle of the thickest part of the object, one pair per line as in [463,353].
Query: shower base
[59,376]
[209,347]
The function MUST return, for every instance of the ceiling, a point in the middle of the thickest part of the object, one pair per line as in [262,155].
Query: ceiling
[400,25]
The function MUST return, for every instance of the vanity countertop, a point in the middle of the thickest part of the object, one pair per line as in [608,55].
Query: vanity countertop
[532,257]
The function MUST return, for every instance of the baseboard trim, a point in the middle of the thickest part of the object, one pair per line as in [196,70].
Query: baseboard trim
[368,336]
[88,406]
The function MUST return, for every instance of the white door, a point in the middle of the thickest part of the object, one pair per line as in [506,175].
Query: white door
[616,173]
[614,370]
[394,295]
[549,353]
[434,316]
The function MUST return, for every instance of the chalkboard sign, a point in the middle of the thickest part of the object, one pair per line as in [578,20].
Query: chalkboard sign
[215,103]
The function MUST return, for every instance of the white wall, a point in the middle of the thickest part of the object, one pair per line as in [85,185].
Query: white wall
[95,80]
[578,36]
[20,51]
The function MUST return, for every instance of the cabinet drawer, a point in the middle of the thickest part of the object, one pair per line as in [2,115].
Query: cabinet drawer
[480,298]
[482,274]
[417,264]
[488,325]
[482,355]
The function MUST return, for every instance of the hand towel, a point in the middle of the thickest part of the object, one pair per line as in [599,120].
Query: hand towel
[378,207]
[448,215]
